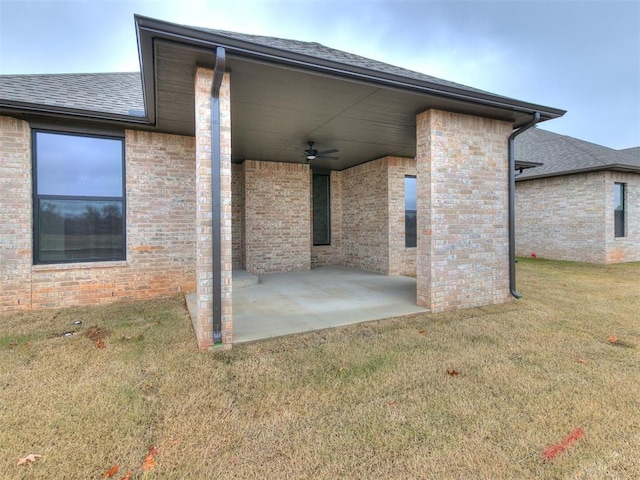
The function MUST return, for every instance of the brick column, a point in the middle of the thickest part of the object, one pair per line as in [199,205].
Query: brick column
[463,242]
[203,324]
[15,205]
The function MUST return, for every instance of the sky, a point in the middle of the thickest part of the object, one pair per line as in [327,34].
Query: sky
[582,56]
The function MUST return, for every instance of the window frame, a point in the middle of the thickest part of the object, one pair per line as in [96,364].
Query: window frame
[36,198]
[406,236]
[327,175]
[623,202]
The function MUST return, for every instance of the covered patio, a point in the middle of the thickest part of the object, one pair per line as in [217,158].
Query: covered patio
[324,297]
[268,202]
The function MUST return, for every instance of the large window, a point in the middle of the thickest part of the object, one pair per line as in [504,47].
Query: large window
[410,206]
[619,207]
[79,207]
[321,209]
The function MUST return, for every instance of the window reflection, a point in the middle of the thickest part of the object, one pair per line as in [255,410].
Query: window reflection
[76,229]
[78,166]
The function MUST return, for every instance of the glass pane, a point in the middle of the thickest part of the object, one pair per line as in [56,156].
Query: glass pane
[78,166]
[80,230]
[410,193]
[618,196]
[619,207]
[321,210]
[410,217]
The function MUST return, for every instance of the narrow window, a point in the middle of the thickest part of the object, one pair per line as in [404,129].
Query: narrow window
[410,205]
[79,208]
[619,206]
[321,209]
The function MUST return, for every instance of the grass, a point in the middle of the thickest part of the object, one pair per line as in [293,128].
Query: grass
[366,401]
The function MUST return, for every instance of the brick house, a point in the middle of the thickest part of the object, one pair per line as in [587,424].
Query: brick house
[126,186]
[582,204]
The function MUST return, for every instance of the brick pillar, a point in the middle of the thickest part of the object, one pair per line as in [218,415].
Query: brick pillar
[463,241]
[203,323]
[15,205]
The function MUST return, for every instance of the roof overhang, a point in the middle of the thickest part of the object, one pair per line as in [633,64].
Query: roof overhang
[281,99]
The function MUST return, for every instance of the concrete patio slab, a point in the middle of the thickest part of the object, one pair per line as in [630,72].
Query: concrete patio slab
[325,297]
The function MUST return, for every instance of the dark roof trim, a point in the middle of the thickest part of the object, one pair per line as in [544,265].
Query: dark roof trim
[613,167]
[193,37]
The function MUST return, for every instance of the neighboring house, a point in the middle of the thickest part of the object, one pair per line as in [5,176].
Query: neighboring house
[125,186]
[582,204]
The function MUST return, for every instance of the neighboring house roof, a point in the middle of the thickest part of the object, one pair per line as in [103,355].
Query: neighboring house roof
[114,93]
[564,155]
[635,151]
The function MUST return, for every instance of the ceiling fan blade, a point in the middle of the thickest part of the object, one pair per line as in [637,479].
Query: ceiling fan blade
[327,152]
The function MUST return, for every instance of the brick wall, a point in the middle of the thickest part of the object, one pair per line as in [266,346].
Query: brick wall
[571,218]
[160,222]
[160,242]
[15,214]
[462,167]
[562,217]
[277,217]
[237,215]
[365,218]
[402,260]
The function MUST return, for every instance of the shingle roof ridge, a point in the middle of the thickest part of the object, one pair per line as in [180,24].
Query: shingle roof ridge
[582,146]
[325,52]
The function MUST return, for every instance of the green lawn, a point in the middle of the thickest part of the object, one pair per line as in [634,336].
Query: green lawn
[367,401]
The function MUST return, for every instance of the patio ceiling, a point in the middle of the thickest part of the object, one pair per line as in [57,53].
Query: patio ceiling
[277,107]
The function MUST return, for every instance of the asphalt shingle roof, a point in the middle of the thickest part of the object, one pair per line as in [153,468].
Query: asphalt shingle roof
[115,93]
[562,154]
[635,151]
[322,52]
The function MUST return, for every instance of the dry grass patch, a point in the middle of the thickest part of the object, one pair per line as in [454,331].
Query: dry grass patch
[365,401]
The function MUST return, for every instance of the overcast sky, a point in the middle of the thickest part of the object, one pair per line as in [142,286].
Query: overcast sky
[581,56]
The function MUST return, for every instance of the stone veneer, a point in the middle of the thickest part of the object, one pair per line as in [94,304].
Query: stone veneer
[160,215]
[571,218]
[463,245]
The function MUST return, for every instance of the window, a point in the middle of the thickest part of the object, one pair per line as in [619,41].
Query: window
[410,219]
[619,207]
[321,209]
[79,207]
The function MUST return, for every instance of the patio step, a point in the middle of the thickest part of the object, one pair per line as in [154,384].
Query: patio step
[243,279]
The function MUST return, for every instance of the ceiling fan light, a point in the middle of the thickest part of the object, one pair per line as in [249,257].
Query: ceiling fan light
[311,157]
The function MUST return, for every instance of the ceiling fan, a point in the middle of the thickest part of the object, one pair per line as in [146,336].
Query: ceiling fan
[311,153]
